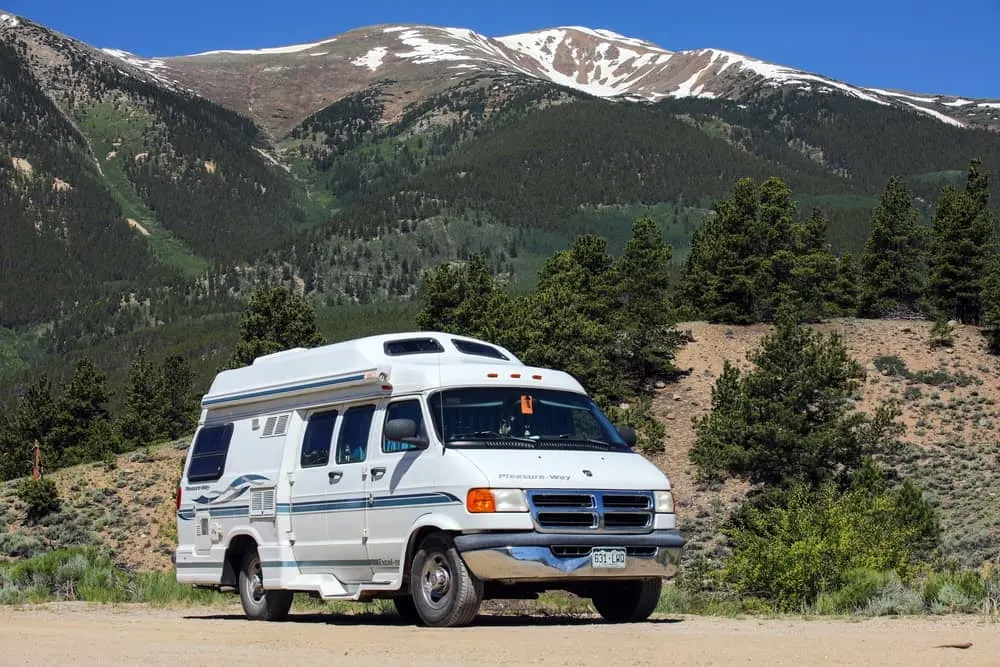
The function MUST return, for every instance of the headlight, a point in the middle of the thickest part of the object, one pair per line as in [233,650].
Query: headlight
[485,501]
[664,502]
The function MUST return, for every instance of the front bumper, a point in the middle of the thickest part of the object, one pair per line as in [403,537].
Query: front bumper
[543,556]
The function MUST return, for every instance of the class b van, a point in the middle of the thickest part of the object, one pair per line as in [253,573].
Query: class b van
[433,469]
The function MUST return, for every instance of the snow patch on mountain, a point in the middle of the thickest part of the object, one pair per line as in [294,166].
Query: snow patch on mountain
[936,114]
[373,59]
[892,93]
[270,51]
[9,21]
[990,105]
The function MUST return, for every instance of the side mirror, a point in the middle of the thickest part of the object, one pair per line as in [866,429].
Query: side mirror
[404,430]
[628,434]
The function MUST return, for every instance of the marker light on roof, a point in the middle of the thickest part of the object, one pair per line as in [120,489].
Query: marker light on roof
[536,377]
[515,375]
[491,375]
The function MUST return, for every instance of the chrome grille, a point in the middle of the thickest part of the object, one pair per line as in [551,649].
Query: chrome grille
[591,511]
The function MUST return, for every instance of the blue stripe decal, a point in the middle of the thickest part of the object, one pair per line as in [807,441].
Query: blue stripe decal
[282,390]
[339,505]
[317,563]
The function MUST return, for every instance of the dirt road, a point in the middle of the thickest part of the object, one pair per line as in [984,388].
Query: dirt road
[79,634]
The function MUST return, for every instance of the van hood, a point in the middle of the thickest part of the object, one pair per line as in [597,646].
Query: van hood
[547,469]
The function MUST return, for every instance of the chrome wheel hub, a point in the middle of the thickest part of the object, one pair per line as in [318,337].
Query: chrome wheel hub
[436,582]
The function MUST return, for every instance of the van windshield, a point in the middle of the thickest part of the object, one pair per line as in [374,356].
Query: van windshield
[521,418]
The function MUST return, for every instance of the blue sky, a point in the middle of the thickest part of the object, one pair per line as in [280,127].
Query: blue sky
[919,45]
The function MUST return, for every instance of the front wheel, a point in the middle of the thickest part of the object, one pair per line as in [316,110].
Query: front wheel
[259,604]
[628,601]
[444,592]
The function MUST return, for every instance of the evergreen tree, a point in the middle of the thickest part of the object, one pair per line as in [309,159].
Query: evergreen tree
[964,240]
[788,420]
[847,290]
[644,324]
[276,319]
[32,419]
[80,414]
[141,422]
[465,299]
[751,257]
[892,266]
[179,409]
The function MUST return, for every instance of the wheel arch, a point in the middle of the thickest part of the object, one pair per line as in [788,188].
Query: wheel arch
[239,545]
[421,528]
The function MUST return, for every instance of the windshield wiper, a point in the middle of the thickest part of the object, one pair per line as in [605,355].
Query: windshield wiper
[571,436]
[488,434]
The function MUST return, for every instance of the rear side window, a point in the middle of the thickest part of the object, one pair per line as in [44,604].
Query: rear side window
[478,349]
[208,457]
[355,427]
[317,440]
[394,348]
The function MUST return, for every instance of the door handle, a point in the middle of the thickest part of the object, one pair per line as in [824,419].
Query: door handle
[335,476]
[378,472]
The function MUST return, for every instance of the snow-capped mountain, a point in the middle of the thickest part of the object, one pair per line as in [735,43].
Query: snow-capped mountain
[281,85]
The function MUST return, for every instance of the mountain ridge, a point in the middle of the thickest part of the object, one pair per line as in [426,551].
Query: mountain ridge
[599,62]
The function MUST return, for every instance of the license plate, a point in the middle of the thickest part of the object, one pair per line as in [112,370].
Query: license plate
[605,558]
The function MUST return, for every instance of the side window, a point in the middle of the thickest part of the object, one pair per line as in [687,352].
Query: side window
[317,440]
[355,427]
[208,456]
[403,410]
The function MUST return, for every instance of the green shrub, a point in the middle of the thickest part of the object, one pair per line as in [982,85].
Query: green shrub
[89,574]
[892,365]
[790,546]
[40,496]
[859,588]
[942,334]
[912,393]
[895,599]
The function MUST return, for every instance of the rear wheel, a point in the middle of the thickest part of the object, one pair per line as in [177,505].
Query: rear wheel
[628,601]
[259,604]
[444,592]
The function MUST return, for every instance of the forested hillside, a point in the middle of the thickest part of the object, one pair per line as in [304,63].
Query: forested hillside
[139,214]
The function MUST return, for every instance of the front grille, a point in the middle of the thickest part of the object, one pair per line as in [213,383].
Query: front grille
[570,551]
[564,500]
[567,519]
[579,550]
[591,511]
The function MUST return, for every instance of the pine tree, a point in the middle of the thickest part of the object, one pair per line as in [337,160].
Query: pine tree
[788,421]
[276,319]
[645,318]
[964,240]
[80,412]
[141,422]
[847,289]
[179,409]
[464,299]
[32,419]
[751,257]
[892,266]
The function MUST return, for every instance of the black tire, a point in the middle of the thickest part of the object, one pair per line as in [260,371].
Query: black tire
[258,604]
[406,608]
[628,601]
[444,592]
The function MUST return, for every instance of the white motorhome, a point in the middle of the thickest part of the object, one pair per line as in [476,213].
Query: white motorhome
[433,469]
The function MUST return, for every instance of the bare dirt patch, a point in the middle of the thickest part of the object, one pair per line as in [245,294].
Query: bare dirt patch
[85,634]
